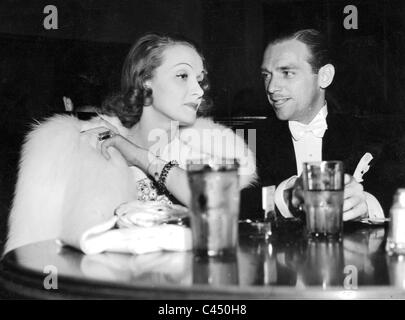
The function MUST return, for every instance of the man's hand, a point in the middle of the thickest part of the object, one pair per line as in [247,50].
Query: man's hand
[294,196]
[354,205]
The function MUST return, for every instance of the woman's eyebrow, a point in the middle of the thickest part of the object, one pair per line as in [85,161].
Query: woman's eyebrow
[181,63]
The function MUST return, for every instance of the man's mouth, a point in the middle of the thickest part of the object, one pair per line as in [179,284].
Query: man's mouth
[279,101]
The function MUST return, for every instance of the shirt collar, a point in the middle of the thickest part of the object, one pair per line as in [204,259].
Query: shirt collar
[317,126]
[322,114]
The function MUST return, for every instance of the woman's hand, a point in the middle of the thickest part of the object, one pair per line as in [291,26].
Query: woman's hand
[105,135]
[92,130]
[134,155]
[92,136]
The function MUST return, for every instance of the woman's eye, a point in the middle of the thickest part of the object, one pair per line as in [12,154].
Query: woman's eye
[182,75]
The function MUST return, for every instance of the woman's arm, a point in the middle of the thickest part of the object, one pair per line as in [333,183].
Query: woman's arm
[176,181]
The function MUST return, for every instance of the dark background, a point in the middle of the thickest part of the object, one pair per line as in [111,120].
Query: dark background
[38,66]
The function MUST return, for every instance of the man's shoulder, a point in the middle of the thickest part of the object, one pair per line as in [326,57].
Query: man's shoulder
[271,126]
[372,128]
[343,119]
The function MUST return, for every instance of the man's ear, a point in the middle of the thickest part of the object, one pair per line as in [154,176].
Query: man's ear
[67,102]
[325,75]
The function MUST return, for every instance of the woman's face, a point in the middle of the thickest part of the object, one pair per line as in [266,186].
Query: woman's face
[176,86]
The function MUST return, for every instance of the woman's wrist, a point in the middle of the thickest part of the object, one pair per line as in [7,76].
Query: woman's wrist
[141,159]
[155,166]
[161,182]
[159,170]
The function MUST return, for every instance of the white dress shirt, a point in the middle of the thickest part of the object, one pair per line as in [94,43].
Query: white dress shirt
[307,144]
[307,141]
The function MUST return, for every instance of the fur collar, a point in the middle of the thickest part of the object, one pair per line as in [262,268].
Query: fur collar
[205,137]
[64,184]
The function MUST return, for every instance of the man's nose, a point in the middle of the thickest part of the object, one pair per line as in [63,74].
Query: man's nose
[273,85]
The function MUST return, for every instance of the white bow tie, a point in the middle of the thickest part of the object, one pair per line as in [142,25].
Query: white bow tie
[298,130]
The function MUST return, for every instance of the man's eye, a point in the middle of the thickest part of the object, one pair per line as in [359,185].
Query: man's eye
[265,76]
[288,74]
[182,75]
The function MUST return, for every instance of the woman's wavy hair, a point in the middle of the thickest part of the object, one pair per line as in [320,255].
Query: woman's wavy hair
[144,57]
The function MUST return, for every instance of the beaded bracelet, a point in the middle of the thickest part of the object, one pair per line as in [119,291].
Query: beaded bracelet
[163,175]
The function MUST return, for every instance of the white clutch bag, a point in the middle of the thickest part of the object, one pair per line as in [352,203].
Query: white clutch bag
[149,213]
[139,227]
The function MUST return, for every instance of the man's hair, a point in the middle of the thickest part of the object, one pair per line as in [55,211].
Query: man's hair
[316,43]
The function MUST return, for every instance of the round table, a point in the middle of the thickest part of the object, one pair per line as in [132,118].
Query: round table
[286,266]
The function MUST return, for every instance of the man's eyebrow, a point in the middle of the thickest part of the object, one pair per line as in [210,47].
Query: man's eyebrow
[282,68]
[287,67]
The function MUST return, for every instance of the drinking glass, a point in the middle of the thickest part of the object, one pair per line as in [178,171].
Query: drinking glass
[215,206]
[262,226]
[323,184]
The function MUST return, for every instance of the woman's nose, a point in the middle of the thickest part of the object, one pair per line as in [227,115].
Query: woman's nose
[197,90]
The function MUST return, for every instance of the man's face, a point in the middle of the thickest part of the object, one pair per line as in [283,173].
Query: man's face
[291,86]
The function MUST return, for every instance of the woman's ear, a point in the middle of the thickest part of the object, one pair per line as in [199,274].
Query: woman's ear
[147,93]
[147,84]
[325,75]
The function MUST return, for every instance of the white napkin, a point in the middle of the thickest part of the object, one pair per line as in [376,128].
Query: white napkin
[140,230]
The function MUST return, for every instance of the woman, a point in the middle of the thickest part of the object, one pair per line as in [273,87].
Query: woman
[74,174]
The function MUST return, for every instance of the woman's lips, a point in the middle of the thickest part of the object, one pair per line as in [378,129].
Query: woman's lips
[192,105]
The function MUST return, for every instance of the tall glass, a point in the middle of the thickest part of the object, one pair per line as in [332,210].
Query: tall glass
[216,271]
[396,232]
[323,184]
[215,206]
[324,264]
[262,226]
[396,270]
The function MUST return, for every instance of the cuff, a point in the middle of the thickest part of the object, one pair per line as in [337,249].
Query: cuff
[375,210]
[279,196]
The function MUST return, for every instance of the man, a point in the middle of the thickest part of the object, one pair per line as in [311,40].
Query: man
[297,71]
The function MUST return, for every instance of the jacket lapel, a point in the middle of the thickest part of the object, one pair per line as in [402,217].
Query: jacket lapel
[334,144]
[287,160]
[339,141]
[276,153]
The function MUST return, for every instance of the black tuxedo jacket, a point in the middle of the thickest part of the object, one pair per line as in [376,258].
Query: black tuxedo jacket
[347,139]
